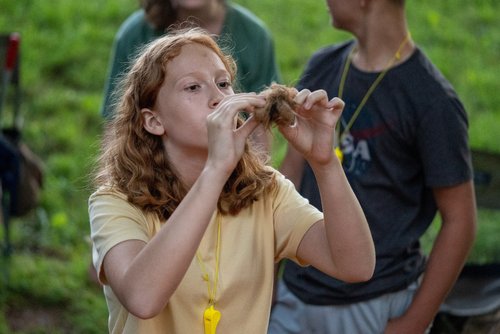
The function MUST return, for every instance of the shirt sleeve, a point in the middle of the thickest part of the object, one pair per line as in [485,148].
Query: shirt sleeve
[442,140]
[113,220]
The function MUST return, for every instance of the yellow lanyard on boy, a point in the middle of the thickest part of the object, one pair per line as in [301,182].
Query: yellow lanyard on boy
[397,56]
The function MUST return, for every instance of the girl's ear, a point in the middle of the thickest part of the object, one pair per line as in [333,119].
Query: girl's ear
[151,122]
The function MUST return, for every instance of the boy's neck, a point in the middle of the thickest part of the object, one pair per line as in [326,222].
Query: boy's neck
[373,54]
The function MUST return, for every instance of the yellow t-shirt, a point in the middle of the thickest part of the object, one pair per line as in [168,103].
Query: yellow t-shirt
[251,242]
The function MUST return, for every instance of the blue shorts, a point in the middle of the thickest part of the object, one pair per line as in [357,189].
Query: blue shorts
[290,315]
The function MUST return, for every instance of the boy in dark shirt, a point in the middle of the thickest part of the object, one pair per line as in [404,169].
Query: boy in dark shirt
[404,144]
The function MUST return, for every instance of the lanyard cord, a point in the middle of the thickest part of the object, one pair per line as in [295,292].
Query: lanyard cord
[212,291]
[374,85]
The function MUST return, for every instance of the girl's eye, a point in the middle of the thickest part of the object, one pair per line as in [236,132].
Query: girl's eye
[193,87]
[224,84]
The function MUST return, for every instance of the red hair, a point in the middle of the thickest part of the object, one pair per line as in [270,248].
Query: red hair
[134,162]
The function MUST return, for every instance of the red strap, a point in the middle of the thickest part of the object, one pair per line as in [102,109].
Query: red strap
[12,50]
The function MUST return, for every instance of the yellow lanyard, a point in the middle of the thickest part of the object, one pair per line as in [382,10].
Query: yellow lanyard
[211,316]
[374,85]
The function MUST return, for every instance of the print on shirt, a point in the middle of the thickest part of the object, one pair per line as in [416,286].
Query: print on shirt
[357,155]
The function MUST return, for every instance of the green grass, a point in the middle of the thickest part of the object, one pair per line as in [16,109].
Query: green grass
[65,51]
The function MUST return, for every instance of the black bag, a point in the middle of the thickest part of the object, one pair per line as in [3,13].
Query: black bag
[23,175]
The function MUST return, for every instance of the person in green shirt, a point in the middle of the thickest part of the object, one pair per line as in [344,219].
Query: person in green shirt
[238,31]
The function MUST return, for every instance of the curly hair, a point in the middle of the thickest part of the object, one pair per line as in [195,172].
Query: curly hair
[134,162]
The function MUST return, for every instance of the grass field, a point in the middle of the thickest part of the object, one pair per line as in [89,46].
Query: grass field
[65,50]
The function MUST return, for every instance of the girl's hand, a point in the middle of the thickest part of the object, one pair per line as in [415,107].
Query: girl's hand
[226,141]
[314,129]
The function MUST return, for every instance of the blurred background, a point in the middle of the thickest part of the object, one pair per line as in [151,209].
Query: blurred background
[64,53]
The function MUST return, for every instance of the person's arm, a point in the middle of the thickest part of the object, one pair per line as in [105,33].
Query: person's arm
[341,245]
[457,208]
[144,276]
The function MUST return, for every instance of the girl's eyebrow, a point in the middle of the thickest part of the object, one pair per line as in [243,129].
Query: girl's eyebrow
[194,74]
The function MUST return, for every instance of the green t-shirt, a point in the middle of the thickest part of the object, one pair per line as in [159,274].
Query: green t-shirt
[243,35]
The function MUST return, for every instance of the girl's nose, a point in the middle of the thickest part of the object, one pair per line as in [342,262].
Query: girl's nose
[216,96]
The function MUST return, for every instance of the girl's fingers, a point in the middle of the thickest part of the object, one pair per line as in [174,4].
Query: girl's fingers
[307,98]
[302,96]
[230,106]
[248,127]
[336,104]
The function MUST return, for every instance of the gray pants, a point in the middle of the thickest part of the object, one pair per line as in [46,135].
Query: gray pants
[290,315]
